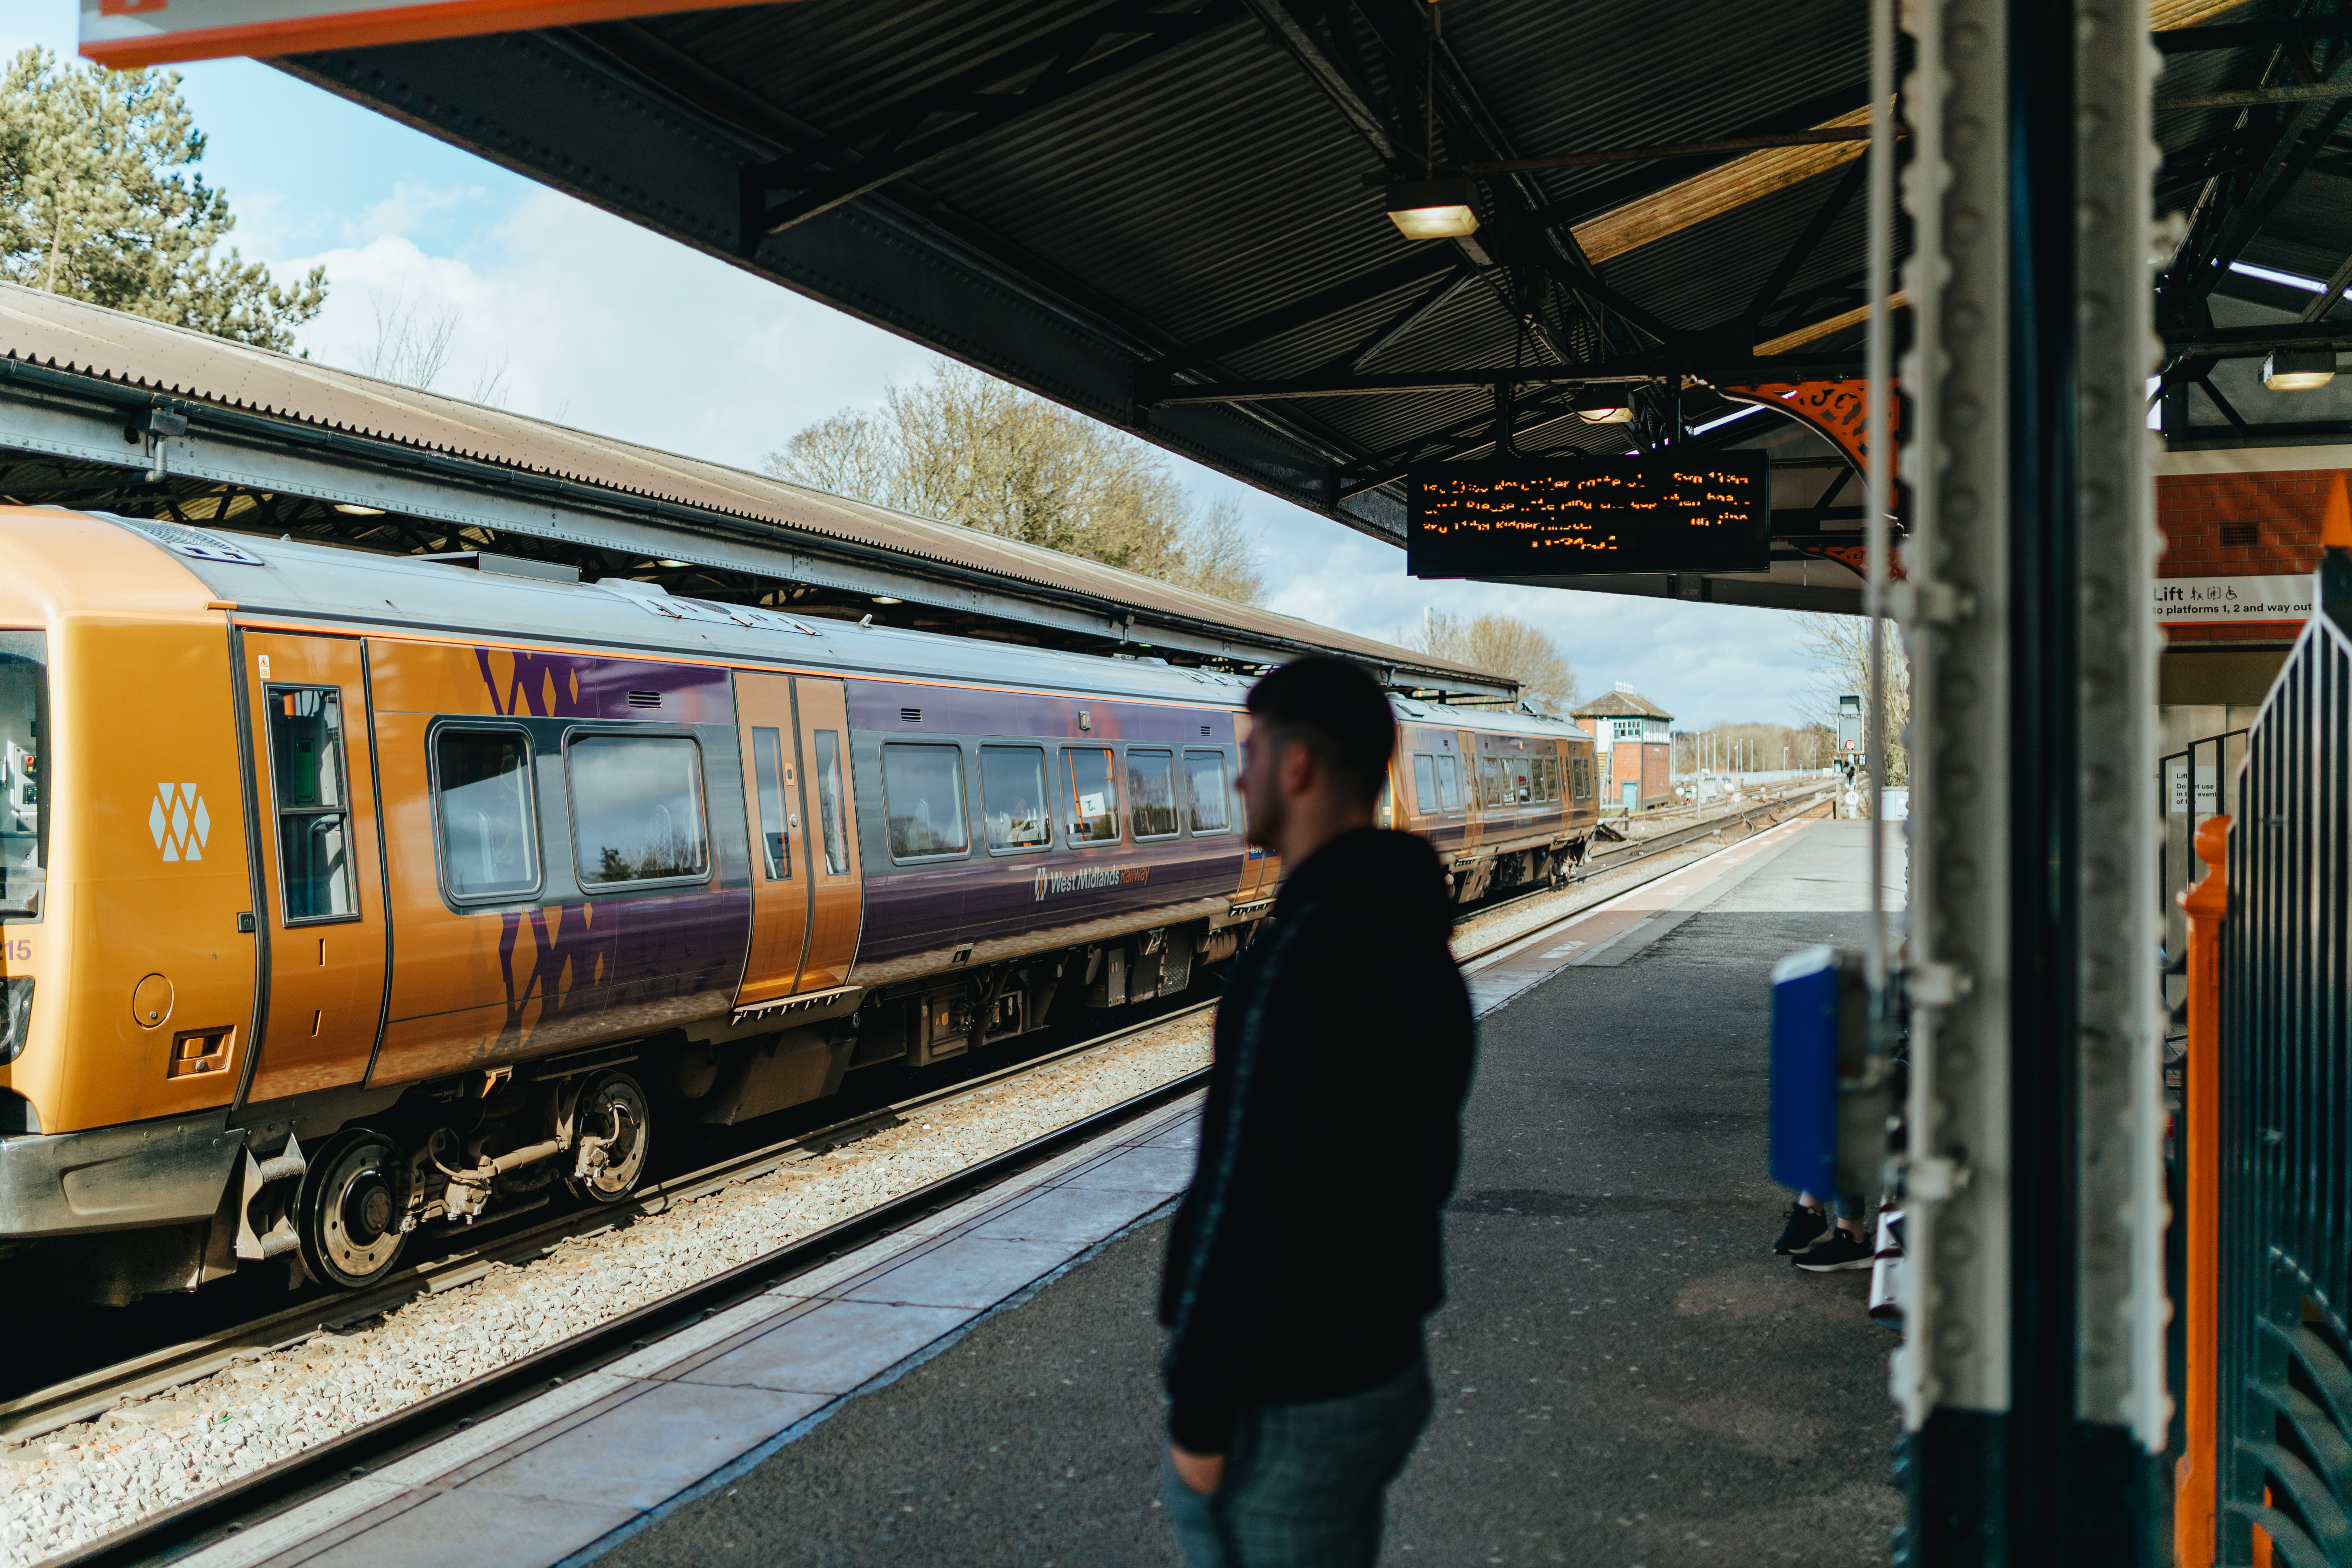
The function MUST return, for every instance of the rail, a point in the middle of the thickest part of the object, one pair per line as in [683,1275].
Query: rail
[91,1394]
[217,1514]
[2279,1456]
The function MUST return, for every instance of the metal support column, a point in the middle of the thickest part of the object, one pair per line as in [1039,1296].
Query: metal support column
[2031,1376]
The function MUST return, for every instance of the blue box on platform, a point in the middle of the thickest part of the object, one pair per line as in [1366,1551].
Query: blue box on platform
[1811,1017]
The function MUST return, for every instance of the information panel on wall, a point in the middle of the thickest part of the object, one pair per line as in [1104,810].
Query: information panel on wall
[1582,517]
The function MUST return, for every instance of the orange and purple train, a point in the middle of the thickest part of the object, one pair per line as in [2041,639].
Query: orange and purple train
[343,894]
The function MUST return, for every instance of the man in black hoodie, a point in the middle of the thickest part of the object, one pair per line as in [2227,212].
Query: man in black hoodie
[1308,1250]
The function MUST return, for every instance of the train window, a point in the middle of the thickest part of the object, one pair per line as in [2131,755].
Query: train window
[1013,796]
[1424,783]
[306,776]
[1092,805]
[1490,781]
[1152,793]
[23,776]
[923,787]
[1518,775]
[1579,777]
[1449,783]
[1547,778]
[489,840]
[832,821]
[637,809]
[1206,792]
[768,777]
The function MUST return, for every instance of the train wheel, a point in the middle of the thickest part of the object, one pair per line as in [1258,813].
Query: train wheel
[615,1134]
[350,1208]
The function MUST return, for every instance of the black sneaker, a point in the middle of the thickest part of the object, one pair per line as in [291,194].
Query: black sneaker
[1835,1253]
[1804,1228]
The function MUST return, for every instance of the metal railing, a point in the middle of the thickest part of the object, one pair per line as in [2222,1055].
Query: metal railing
[2189,789]
[2282,1380]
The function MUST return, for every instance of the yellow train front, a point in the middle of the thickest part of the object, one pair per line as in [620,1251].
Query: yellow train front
[343,894]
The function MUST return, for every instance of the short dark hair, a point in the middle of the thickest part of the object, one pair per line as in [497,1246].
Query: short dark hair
[1338,711]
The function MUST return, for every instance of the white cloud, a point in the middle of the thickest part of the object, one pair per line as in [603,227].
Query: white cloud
[403,211]
[607,327]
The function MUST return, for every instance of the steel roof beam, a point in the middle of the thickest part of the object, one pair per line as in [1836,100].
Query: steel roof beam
[2325,300]
[905,137]
[2253,342]
[2249,35]
[1632,371]
[1816,229]
[1415,268]
[1406,319]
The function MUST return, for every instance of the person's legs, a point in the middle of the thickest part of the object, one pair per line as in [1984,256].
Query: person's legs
[1804,1223]
[1842,1247]
[1304,1484]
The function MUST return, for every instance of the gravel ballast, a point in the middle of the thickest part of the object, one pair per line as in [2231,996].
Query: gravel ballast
[73,1485]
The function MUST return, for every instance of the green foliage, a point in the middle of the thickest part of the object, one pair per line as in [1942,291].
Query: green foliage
[99,202]
[968,448]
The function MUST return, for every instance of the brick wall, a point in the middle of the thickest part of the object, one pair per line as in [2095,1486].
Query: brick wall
[2284,511]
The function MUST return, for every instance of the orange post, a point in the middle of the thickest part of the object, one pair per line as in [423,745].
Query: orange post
[2201,1156]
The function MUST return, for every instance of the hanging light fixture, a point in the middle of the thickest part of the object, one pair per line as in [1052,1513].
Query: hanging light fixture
[1433,209]
[1605,406]
[2298,370]
[1429,207]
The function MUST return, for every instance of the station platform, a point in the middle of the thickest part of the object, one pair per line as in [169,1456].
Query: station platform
[1627,1376]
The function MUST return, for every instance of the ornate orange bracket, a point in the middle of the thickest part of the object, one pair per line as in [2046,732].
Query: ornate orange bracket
[1839,410]
[1854,558]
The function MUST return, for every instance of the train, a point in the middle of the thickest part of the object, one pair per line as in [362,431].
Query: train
[347,894]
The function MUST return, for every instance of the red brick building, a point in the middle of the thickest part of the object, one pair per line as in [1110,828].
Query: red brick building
[2233,582]
[1633,748]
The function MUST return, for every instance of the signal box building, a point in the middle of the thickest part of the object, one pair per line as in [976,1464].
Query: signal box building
[1634,747]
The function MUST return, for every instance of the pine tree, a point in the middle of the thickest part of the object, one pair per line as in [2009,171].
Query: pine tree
[99,202]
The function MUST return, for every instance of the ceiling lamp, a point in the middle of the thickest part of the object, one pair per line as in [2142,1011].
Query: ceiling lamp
[1433,209]
[885,599]
[1605,406]
[2298,370]
[355,510]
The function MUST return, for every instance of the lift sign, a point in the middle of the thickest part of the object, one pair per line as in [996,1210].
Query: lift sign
[1588,517]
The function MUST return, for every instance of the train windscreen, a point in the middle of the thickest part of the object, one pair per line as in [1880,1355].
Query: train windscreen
[24,778]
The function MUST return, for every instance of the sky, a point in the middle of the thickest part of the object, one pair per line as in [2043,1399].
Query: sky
[551,297]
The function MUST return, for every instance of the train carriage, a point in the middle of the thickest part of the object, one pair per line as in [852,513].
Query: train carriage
[344,894]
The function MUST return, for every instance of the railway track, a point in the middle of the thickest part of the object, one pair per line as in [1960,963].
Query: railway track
[92,1394]
[223,1512]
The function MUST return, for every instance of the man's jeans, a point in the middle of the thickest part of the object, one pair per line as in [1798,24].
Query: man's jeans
[1302,1483]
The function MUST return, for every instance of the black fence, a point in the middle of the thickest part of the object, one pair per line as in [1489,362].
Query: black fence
[2190,784]
[2284,1428]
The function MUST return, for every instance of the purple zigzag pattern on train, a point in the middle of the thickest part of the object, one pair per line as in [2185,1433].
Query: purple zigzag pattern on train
[542,685]
[644,961]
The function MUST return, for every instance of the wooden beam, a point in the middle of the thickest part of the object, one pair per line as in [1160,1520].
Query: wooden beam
[1717,192]
[1743,180]
[1823,328]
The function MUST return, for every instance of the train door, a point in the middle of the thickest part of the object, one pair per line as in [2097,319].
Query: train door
[322,912]
[829,806]
[1256,883]
[1474,799]
[781,875]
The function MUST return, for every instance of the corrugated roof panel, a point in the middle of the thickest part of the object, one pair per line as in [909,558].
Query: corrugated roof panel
[48,330]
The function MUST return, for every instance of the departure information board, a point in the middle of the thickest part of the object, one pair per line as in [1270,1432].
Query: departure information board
[1583,517]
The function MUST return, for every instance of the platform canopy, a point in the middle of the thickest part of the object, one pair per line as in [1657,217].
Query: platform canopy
[1172,214]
